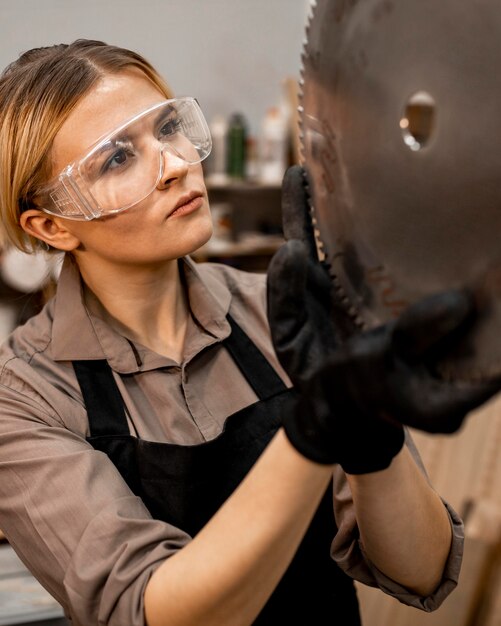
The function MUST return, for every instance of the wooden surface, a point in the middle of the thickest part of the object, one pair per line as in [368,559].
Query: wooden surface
[465,468]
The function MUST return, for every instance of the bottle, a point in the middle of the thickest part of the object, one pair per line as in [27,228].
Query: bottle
[236,146]
[252,159]
[221,213]
[216,163]
[274,146]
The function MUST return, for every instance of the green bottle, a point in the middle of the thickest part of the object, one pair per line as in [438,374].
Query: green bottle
[236,152]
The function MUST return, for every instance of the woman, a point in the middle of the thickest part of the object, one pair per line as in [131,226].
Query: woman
[118,487]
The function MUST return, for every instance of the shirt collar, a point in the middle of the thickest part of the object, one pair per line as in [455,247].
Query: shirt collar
[77,334]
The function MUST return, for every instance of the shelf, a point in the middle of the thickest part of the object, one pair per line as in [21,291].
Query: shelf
[254,245]
[247,223]
[240,185]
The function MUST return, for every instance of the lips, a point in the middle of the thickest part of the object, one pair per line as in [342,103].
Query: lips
[187,202]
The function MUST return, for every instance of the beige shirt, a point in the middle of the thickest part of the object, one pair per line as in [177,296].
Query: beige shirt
[63,505]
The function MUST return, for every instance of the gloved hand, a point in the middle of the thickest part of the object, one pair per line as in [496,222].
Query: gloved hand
[356,392]
[307,319]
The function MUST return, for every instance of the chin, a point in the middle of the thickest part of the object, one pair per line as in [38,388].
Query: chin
[202,237]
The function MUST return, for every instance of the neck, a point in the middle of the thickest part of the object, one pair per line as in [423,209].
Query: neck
[146,304]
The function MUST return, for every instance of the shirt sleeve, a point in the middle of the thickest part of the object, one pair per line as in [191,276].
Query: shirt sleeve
[349,554]
[72,519]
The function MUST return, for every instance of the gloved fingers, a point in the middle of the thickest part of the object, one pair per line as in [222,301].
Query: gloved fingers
[437,406]
[359,367]
[455,402]
[286,290]
[432,325]
[298,313]
[370,347]
[333,424]
[296,218]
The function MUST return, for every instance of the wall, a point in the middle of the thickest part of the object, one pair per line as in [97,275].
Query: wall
[231,54]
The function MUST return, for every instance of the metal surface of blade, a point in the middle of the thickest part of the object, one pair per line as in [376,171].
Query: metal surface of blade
[400,133]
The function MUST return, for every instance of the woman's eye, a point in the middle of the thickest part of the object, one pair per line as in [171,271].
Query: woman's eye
[118,159]
[170,127]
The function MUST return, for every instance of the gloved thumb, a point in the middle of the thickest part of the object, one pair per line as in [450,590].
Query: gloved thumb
[296,218]
[286,290]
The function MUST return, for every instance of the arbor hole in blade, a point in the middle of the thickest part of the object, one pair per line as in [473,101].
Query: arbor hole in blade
[418,121]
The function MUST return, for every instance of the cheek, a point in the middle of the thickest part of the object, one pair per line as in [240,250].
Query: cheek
[138,240]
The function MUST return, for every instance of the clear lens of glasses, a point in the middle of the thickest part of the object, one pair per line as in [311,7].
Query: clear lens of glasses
[125,166]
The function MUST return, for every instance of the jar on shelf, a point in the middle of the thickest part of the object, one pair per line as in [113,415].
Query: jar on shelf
[274,148]
[217,161]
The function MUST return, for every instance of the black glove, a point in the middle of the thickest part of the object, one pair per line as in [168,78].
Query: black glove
[356,393]
[351,409]
[307,320]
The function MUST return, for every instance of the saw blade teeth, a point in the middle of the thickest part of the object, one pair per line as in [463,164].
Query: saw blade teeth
[317,236]
[323,252]
[341,294]
[361,323]
[311,13]
[303,61]
[301,149]
[304,49]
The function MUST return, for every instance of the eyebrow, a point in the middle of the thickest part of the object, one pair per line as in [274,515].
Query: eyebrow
[163,112]
[109,145]
[126,136]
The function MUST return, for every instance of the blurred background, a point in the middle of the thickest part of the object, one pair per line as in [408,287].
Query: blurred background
[230,54]
[241,60]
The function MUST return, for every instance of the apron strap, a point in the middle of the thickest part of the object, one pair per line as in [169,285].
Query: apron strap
[102,399]
[252,363]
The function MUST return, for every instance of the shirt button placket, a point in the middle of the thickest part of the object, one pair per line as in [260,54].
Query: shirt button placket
[201,416]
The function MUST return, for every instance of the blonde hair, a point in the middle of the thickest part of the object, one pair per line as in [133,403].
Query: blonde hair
[37,93]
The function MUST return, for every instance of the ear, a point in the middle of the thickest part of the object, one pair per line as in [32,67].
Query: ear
[48,228]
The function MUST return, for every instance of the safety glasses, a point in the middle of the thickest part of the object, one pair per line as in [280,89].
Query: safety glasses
[126,165]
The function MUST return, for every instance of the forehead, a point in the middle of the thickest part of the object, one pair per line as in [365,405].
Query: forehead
[114,99]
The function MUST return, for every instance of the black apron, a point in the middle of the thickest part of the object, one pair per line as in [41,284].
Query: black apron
[186,485]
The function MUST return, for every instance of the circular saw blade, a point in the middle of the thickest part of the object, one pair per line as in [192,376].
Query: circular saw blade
[399,110]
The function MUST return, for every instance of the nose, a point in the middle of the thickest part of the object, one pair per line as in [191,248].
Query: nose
[173,167]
